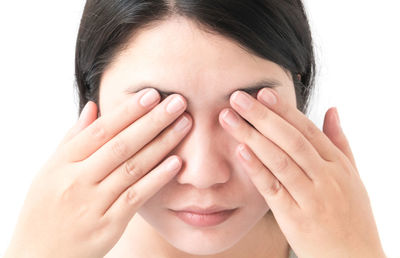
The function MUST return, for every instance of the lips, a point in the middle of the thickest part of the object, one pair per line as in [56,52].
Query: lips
[204,217]
[200,210]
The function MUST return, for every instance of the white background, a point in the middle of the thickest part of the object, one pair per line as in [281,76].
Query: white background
[357,50]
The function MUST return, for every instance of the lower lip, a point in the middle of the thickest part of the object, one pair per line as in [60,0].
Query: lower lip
[204,220]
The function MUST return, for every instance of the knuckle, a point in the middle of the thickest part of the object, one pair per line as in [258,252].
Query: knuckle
[132,169]
[273,189]
[281,164]
[299,145]
[168,141]
[119,148]
[133,197]
[256,170]
[285,110]
[248,134]
[311,131]
[98,132]
[69,191]
[263,114]
[157,119]
[129,109]
[259,169]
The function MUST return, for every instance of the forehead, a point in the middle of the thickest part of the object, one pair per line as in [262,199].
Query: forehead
[180,57]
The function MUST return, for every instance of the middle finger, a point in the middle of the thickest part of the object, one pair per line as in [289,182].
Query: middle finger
[277,161]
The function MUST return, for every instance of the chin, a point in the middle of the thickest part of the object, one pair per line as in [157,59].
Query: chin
[205,246]
[203,240]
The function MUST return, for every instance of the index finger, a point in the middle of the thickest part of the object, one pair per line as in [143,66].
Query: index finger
[107,126]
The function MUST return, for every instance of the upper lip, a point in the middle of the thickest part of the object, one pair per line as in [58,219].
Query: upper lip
[207,210]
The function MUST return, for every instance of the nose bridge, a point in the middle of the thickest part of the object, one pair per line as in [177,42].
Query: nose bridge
[204,153]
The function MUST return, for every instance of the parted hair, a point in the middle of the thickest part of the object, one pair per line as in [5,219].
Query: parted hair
[276,30]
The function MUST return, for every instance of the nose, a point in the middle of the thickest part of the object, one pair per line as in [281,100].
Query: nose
[205,156]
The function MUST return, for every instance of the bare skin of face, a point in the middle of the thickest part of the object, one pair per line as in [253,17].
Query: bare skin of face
[176,56]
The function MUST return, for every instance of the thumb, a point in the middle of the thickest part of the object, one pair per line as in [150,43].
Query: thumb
[87,116]
[334,131]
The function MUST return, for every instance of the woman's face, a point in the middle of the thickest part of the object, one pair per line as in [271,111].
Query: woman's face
[205,69]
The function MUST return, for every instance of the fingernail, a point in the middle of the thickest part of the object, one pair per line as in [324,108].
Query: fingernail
[172,164]
[230,118]
[175,105]
[267,97]
[244,153]
[149,98]
[242,100]
[182,124]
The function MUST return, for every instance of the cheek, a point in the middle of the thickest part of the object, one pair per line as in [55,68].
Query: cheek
[256,201]
[250,196]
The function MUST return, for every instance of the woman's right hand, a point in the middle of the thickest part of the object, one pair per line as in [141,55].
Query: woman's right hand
[104,169]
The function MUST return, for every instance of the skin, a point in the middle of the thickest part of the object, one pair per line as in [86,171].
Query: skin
[205,69]
[91,200]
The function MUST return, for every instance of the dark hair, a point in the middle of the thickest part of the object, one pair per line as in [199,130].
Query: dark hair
[276,30]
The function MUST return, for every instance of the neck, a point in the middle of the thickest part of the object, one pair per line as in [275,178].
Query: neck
[141,240]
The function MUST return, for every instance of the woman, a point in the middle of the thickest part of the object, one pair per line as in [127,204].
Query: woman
[223,164]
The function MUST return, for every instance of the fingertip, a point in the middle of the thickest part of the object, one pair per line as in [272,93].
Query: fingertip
[331,126]
[174,163]
[88,114]
[222,114]
[336,115]
[243,152]
[85,111]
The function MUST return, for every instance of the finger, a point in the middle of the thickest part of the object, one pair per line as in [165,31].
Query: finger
[275,194]
[129,141]
[279,131]
[335,133]
[142,162]
[107,126]
[87,116]
[283,205]
[298,120]
[282,167]
[123,209]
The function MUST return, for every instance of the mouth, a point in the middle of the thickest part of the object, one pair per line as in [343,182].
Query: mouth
[203,217]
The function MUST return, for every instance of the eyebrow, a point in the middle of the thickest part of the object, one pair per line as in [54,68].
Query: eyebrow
[249,88]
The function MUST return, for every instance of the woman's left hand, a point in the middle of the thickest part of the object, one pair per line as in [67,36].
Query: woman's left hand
[308,177]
